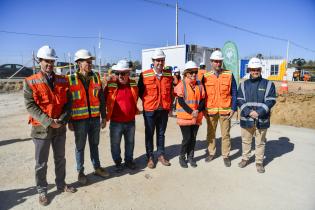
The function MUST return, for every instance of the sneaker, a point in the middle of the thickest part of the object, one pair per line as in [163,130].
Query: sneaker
[182,162]
[192,162]
[119,168]
[43,199]
[150,163]
[243,163]
[82,179]
[227,162]
[68,189]
[101,172]
[260,168]
[131,165]
[209,158]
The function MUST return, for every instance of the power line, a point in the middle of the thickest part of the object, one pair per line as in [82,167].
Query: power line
[77,37]
[228,24]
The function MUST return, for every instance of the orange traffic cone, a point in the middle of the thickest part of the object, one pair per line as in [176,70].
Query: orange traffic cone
[284,85]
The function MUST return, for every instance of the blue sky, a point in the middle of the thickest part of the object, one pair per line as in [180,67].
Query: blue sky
[153,25]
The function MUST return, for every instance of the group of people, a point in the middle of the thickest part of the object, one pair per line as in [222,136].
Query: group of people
[79,100]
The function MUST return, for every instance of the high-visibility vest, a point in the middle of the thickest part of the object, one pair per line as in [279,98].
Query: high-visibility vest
[192,99]
[112,88]
[157,91]
[218,89]
[201,72]
[49,101]
[80,109]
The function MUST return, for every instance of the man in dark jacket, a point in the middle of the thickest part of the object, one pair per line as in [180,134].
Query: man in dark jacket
[256,97]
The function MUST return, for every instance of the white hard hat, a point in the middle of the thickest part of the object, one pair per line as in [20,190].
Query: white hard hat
[216,55]
[83,54]
[202,64]
[158,54]
[191,65]
[122,65]
[176,70]
[254,63]
[46,52]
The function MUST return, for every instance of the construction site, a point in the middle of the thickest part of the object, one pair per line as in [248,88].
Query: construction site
[133,31]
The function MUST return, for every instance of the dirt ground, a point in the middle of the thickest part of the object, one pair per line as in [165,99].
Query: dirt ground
[287,184]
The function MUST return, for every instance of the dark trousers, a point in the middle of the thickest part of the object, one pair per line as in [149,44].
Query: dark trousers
[155,120]
[57,139]
[189,134]
[83,129]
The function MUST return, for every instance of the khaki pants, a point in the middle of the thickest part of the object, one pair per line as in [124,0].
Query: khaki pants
[225,124]
[260,141]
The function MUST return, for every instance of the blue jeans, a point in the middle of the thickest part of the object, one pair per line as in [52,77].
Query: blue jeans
[156,119]
[117,130]
[82,129]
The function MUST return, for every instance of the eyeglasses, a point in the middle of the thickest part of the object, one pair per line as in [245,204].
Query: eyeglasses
[216,61]
[121,73]
[159,60]
[254,70]
[48,61]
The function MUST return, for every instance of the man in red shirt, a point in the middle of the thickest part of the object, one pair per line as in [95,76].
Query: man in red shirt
[121,100]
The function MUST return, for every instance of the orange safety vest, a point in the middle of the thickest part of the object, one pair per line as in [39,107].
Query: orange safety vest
[112,93]
[49,101]
[201,72]
[218,89]
[192,99]
[79,101]
[157,92]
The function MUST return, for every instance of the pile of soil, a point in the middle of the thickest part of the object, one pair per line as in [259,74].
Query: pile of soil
[294,109]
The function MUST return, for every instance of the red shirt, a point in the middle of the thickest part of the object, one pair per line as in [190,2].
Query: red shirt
[125,107]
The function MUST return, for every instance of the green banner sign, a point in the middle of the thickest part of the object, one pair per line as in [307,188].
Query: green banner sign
[231,59]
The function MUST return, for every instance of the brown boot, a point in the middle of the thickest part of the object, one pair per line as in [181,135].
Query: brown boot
[164,161]
[243,163]
[43,199]
[260,168]
[150,163]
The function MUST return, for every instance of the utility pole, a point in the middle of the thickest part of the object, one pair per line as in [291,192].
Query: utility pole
[288,46]
[176,22]
[99,52]
[33,57]
[70,69]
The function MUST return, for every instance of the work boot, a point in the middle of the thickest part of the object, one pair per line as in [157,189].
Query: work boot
[182,162]
[260,168]
[150,163]
[227,162]
[192,162]
[209,158]
[43,199]
[164,161]
[243,163]
[101,172]
[131,165]
[119,168]
[82,179]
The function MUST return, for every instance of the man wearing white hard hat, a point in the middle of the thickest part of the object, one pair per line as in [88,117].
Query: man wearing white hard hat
[121,95]
[48,101]
[88,113]
[202,70]
[191,101]
[221,92]
[256,96]
[155,90]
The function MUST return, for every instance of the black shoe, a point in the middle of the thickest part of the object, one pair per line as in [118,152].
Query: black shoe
[82,178]
[260,168]
[182,162]
[243,163]
[131,165]
[119,168]
[227,162]
[209,158]
[192,162]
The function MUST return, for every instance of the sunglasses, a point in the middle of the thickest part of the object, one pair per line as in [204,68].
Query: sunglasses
[254,70]
[216,61]
[160,60]
[192,72]
[49,61]
[121,73]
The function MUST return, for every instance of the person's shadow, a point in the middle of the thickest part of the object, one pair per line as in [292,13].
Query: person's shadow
[14,197]
[12,141]
[277,148]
